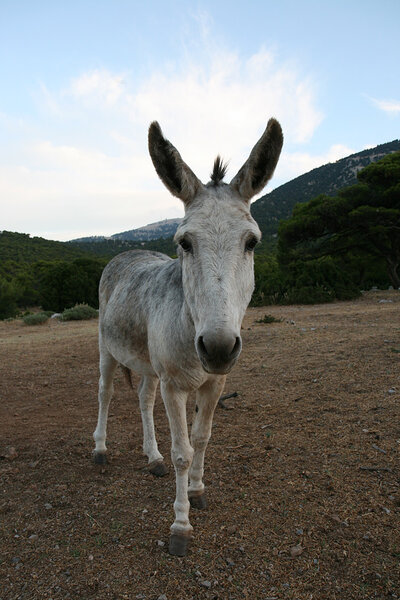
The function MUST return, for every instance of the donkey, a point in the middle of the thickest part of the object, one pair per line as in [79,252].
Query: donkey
[178,321]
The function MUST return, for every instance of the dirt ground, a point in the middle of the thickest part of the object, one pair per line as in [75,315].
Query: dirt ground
[302,473]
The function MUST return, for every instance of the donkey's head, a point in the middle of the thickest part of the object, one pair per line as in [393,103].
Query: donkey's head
[216,240]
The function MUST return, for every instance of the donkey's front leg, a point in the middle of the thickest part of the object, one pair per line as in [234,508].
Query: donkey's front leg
[206,400]
[181,453]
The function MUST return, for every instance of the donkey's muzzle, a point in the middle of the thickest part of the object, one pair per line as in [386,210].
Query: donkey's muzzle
[218,352]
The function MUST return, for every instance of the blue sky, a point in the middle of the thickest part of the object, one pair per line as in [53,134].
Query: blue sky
[81,81]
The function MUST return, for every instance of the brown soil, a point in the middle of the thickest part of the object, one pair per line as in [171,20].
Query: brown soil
[302,473]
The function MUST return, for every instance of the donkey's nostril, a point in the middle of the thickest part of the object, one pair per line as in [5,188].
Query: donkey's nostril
[237,347]
[201,346]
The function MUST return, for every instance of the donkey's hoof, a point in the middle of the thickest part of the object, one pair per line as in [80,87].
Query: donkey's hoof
[100,458]
[199,502]
[158,469]
[178,544]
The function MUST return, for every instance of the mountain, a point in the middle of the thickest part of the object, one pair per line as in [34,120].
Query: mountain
[155,231]
[328,179]
[22,248]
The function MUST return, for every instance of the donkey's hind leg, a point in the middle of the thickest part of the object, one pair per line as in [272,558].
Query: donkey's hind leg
[147,395]
[108,365]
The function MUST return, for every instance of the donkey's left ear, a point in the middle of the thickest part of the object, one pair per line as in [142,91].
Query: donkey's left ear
[170,167]
[260,166]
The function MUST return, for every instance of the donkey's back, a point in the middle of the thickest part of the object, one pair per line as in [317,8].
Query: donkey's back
[129,268]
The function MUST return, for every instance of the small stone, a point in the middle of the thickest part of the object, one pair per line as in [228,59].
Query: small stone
[296,550]
[299,532]
[160,543]
[391,391]
[90,557]
[10,453]
[162,597]
[206,584]
[230,562]
[48,506]
[33,537]
[145,511]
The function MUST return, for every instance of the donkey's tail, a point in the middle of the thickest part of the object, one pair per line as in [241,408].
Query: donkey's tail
[127,374]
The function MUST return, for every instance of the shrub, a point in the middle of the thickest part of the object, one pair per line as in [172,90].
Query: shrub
[79,312]
[35,319]
[269,319]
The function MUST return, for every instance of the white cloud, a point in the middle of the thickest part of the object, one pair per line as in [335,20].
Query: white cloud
[388,106]
[85,168]
[101,84]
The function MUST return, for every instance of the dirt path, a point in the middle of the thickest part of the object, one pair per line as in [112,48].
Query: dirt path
[302,475]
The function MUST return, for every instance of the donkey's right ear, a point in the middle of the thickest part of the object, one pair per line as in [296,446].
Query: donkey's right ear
[171,169]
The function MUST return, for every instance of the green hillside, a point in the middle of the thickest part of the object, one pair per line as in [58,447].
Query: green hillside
[328,179]
[22,248]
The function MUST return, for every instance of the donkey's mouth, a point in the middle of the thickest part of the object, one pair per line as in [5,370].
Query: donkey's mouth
[217,370]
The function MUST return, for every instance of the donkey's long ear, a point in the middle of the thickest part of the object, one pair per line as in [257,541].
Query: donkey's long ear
[172,170]
[260,165]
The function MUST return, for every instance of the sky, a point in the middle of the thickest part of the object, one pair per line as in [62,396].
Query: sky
[82,80]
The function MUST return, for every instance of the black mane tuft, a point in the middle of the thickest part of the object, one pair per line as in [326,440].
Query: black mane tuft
[219,171]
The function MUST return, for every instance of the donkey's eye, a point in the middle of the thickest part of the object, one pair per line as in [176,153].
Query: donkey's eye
[251,244]
[185,245]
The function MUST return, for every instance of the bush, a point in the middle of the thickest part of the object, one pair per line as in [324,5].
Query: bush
[79,312]
[36,318]
[269,319]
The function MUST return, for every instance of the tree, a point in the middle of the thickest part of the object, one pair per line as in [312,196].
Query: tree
[8,299]
[362,220]
[64,284]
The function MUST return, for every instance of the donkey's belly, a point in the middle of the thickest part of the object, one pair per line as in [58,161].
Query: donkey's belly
[126,342]
[139,366]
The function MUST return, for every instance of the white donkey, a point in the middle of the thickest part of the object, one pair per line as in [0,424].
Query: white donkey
[178,321]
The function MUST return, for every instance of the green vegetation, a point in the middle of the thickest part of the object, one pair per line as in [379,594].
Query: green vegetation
[269,319]
[8,300]
[348,242]
[333,247]
[36,318]
[80,312]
